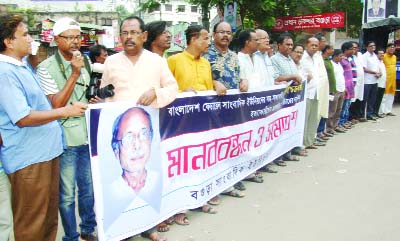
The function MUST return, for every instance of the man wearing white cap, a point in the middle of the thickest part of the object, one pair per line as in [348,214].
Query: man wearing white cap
[64,78]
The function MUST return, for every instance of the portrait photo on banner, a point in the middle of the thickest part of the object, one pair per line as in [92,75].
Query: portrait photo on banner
[230,14]
[127,171]
[376,9]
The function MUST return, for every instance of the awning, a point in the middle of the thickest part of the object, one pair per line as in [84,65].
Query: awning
[91,26]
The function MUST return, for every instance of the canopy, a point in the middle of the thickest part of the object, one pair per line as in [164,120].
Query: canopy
[378,31]
[387,23]
[90,26]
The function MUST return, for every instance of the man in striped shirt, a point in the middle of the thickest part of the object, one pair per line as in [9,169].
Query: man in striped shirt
[64,79]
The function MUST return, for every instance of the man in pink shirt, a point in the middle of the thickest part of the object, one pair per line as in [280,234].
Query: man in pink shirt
[136,73]
[139,75]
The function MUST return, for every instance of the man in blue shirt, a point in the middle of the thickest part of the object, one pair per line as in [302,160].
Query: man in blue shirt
[32,138]
[226,75]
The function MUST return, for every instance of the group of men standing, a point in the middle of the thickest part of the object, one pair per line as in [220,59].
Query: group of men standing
[44,146]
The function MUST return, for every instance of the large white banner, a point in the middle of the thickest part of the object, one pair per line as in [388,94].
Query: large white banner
[149,164]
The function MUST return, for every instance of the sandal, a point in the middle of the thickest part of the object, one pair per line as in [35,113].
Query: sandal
[234,193]
[153,236]
[206,209]
[163,227]
[300,152]
[181,219]
[214,201]
[256,179]
[170,220]
[291,158]
[239,186]
[312,147]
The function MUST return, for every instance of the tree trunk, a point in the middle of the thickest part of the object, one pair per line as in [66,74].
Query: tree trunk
[205,14]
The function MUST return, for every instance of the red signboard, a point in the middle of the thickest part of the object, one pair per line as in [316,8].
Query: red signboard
[323,20]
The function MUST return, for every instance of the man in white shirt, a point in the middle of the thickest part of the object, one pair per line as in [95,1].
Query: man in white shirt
[340,88]
[381,83]
[252,68]
[372,73]
[309,62]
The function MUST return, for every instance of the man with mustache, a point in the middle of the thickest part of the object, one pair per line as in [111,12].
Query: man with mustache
[64,79]
[136,73]
[226,75]
[139,75]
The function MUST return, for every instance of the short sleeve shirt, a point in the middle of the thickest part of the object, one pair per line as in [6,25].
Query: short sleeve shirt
[224,67]
[20,93]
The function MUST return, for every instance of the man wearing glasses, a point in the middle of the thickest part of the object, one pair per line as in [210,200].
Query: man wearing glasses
[131,143]
[226,75]
[136,73]
[64,79]
[141,76]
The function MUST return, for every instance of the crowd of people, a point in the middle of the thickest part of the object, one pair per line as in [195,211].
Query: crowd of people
[44,143]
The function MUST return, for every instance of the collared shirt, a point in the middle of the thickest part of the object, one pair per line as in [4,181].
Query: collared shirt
[272,74]
[254,71]
[48,82]
[348,78]
[372,63]
[191,73]
[20,93]
[224,67]
[331,75]
[339,76]
[53,76]
[353,67]
[390,63]
[382,80]
[132,80]
[284,65]
[310,65]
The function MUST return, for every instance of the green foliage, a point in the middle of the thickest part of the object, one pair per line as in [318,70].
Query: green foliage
[89,7]
[76,7]
[122,12]
[30,16]
[262,13]
[353,11]
[150,5]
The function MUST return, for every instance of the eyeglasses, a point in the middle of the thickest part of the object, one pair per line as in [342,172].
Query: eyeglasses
[298,52]
[131,138]
[132,33]
[265,38]
[71,38]
[372,45]
[224,32]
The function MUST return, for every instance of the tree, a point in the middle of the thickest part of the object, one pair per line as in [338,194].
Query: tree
[353,12]
[89,7]
[122,12]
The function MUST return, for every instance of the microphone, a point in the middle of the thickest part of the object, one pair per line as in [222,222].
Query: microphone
[77,53]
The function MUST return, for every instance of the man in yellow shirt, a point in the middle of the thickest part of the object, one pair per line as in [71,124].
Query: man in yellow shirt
[390,62]
[191,71]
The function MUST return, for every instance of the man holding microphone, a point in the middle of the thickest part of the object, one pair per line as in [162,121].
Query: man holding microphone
[65,76]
